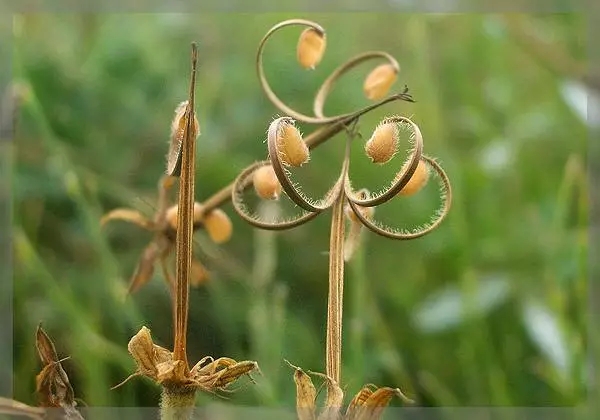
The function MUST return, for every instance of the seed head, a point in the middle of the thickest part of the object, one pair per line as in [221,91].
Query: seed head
[378,82]
[417,181]
[266,184]
[293,150]
[311,46]
[218,225]
[383,144]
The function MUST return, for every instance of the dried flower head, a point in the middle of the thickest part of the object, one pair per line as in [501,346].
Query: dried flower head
[383,144]
[379,81]
[417,181]
[52,383]
[266,184]
[367,404]
[292,148]
[158,363]
[311,47]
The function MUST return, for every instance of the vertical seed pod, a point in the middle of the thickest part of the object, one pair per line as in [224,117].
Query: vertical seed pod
[383,144]
[218,225]
[171,215]
[293,151]
[417,181]
[378,82]
[177,132]
[311,46]
[266,184]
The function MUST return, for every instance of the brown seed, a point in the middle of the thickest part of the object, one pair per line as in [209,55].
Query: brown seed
[266,184]
[311,46]
[383,144]
[378,82]
[171,215]
[417,181]
[218,225]
[293,149]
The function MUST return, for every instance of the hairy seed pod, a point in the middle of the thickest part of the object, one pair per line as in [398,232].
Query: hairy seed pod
[218,225]
[171,215]
[417,181]
[378,82]
[311,46]
[266,184]
[293,150]
[383,144]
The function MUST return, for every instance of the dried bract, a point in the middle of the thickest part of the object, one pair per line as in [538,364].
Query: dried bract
[311,47]
[379,81]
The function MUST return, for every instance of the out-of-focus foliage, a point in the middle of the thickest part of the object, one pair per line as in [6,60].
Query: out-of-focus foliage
[489,309]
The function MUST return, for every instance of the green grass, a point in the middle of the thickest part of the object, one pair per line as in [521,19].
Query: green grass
[487,310]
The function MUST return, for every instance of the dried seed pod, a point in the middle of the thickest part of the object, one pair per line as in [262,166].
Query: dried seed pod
[218,225]
[293,150]
[417,181]
[178,126]
[171,215]
[383,144]
[311,46]
[378,82]
[266,184]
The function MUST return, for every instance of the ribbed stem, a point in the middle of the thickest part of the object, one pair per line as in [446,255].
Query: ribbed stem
[177,403]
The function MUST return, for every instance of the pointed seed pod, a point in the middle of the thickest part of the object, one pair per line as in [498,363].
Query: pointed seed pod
[378,82]
[417,181]
[218,225]
[266,184]
[171,215]
[311,46]
[383,144]
[293,151]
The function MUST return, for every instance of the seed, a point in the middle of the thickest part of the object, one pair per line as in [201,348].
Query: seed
[293,149]
[171,215]
[378,82]
[218,225]
[383,144]
[311,46]
[266,184]
[417,181]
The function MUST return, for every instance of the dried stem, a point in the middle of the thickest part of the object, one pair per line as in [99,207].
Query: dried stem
[335,300]
[185,222]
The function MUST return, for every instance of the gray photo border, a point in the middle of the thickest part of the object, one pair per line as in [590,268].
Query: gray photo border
[592,10]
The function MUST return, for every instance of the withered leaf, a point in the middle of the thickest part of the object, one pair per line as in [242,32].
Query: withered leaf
[334,400]
[358,401]
[372,407]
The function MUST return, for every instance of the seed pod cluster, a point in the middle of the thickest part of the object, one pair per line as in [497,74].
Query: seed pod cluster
[417,181]
[266,184]
[379,81]
[383,144]
[293,151]
[310,49]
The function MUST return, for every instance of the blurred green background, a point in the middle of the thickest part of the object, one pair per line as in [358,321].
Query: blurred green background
[489,309]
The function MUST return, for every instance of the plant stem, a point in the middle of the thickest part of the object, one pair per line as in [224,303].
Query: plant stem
[177,402]
[185,220]
[333,345]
